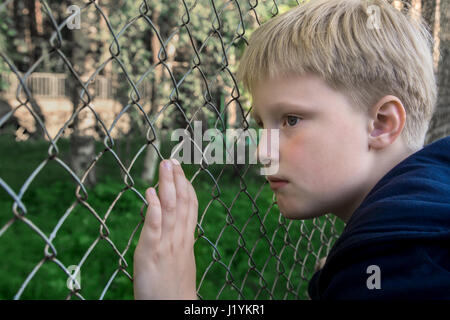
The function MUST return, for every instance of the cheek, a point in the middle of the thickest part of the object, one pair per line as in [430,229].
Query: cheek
[324,160]
[303,162]
[340,159]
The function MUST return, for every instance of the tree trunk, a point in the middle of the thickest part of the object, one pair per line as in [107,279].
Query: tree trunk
[29,25]
[38,133]
[156,100]
[82,145]
[428,13]
[151,156]
[31,32]
[150,162]
[32,37]
[440,123]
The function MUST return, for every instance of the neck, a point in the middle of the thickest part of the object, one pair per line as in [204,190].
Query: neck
[381,162]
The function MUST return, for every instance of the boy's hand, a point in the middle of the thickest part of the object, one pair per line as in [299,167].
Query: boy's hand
[164,263]
[319,265]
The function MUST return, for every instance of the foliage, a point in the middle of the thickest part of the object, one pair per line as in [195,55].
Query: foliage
[244,232]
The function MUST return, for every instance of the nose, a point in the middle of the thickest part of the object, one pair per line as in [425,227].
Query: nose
[267,151]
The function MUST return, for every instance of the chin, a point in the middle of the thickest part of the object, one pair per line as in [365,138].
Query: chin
[298,213]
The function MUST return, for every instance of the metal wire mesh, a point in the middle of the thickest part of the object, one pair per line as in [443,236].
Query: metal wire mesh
[252,253]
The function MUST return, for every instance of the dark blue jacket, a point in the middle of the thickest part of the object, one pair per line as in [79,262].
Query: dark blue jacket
[402,227]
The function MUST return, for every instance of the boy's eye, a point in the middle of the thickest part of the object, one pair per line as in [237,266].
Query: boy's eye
[292,120]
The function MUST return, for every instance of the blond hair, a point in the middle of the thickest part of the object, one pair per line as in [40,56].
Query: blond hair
[333,39]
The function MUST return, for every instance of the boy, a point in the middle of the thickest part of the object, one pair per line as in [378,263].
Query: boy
[352,96]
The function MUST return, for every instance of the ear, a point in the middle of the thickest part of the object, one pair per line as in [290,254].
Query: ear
[387,119]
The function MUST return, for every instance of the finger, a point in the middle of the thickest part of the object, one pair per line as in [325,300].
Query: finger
[167,196]
[152,223]
[182,191]
[193,210]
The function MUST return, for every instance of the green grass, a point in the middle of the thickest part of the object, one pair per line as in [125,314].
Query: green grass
[255,250]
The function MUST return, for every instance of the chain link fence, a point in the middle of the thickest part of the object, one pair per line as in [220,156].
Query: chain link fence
[244,248]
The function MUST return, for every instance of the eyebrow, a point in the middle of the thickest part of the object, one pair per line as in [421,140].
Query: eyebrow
[279,107]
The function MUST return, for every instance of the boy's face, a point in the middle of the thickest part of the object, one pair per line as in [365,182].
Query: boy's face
[323,146]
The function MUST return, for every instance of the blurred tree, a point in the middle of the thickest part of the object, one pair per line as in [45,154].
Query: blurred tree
[440,123]
[80,50]
[22,18]
[429,12]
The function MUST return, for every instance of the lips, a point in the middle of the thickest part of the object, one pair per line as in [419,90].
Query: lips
[275,179]
[276,182]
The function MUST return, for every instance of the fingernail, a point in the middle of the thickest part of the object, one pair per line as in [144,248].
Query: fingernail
[151,191]
[175,161]
[167,164]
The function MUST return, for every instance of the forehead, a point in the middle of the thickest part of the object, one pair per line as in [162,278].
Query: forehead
[285,92]
[279,107]
[302,94]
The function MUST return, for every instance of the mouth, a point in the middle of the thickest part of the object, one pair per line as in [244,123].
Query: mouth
[277,183]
